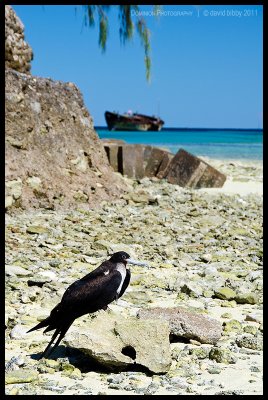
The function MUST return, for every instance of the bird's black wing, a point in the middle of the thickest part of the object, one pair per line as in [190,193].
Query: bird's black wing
[125,284]
[90,294]
[103,270]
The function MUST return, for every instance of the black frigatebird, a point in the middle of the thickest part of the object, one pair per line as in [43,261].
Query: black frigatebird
[87,295]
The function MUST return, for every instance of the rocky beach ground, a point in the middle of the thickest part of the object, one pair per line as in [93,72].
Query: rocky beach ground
[204,250]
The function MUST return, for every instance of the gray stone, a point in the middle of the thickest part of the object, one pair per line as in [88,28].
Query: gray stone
[34,182]
[37,229]
[14,188]
[250,342]
[18,332]
[21,376]
[35,106]
[41,278]
[225,293]
[221,355]
[186,323]
[137,197]
[16,270]
[253,318]
[200,353]
[8,201]
[14,363]
[192,289]
[247,298]
[81,162]
[19,144]
[117,342]
[214,370]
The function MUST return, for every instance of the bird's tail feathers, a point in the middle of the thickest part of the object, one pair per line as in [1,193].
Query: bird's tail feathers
[41,324]
[52,321]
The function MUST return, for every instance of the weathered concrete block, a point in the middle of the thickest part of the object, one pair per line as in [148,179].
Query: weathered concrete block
[188,170]
[211,178]
[132,160]
[112,151]
[154,161]
[147,154]
[163,169]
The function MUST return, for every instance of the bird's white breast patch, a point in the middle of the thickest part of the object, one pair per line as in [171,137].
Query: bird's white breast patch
[120,267]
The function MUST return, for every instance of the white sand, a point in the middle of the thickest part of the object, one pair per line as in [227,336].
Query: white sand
[243,176]
[237,187]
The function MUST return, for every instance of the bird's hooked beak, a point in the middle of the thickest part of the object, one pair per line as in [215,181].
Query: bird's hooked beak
[135,262]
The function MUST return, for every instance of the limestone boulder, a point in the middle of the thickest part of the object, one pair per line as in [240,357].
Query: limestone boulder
[62,162]
[117,342]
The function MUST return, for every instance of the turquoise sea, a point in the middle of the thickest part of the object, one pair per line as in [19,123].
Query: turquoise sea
[213,143]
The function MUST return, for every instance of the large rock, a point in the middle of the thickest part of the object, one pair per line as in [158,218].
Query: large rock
[18,54]
[250,342]
[21,376]
[186,324]
[117,342]
[13,270]
[62,162]
[188,170]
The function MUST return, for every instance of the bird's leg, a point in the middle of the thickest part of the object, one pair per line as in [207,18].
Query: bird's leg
[116,298]
[61,331]
[46,351]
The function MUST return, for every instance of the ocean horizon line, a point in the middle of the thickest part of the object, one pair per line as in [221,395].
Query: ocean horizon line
[192,129]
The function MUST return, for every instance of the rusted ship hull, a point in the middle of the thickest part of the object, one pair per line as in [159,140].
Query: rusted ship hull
[133,122]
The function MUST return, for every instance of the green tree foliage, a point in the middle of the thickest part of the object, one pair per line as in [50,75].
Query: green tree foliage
[129,19]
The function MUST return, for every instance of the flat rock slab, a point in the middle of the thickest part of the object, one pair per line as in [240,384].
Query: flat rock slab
[11,270]
[21,376]
[117,342]
[185,323]
[187,170]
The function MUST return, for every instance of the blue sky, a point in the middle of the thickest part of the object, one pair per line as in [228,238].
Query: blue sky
[206,70]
